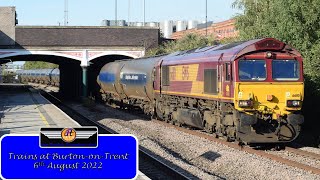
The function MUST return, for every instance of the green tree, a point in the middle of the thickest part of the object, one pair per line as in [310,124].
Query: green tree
[189,41]
[295,22]
[39,65]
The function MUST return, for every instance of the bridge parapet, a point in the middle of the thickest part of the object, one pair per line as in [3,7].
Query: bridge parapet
[84,36]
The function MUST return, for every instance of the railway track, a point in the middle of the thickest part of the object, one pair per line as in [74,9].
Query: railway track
[303,153]
[254,151]
[249,149]
[148,163]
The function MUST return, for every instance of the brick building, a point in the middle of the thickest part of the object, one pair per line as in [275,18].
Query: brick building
[220,30]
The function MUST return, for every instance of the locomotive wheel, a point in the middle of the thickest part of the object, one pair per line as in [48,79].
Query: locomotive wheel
[279,147]
[230,139]
[178,124]
[219,134]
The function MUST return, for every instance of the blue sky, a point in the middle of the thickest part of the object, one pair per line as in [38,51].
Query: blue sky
[92,12]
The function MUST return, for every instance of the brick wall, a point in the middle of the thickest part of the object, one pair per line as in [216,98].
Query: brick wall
[7,26]
[86,36]
[220,30]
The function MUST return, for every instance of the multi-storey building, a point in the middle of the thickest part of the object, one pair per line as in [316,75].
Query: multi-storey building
[220,30]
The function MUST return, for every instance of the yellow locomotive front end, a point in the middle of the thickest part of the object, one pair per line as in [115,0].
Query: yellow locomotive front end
[269,92]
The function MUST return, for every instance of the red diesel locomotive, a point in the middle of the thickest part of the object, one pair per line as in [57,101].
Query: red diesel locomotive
[250,91]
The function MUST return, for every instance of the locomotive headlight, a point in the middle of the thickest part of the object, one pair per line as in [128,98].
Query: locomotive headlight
[269,54]
[245,103]
[293,103]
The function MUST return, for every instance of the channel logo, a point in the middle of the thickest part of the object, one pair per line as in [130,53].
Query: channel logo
[69,137]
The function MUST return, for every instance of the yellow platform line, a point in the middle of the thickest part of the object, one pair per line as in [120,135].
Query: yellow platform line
[44,120]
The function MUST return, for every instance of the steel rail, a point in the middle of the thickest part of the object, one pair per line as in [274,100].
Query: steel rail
[161,168]
[245,148]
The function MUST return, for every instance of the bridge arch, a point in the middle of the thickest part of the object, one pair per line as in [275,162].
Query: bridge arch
[70,70]
[130,55]
[74,82]
[65,54]
[94,68]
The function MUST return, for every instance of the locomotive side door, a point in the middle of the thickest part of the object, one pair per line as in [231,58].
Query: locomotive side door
[227,79]
[158,83]
[220,76]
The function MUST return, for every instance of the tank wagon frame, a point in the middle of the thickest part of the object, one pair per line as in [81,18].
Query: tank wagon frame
[248,91]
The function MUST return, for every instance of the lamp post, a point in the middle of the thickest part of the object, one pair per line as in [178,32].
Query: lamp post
[144,12]
[128,11]
[66,13]
[206,18]
[115,6]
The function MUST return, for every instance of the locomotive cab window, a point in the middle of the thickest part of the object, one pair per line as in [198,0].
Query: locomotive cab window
[252,70]
[285,70]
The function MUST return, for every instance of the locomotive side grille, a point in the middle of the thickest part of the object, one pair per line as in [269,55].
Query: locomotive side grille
[165,75]
[210,81]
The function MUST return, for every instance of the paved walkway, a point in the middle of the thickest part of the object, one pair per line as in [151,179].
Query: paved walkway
[25,111]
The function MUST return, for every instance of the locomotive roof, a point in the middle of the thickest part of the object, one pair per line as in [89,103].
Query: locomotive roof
[228,52]
[223,52]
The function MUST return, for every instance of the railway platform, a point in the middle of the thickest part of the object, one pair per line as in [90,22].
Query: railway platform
[24,111]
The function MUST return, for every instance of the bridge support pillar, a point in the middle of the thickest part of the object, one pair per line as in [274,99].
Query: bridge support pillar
[84,82]
[84,64]
[70,80]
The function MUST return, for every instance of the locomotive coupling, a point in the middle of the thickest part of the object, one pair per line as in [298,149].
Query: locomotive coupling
[295,119]
[247,120]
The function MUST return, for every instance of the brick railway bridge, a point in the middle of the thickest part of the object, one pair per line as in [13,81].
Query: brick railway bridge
[80,51]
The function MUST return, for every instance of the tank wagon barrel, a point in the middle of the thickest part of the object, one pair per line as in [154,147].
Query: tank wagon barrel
[132,80]
[250,91]
[42,76]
